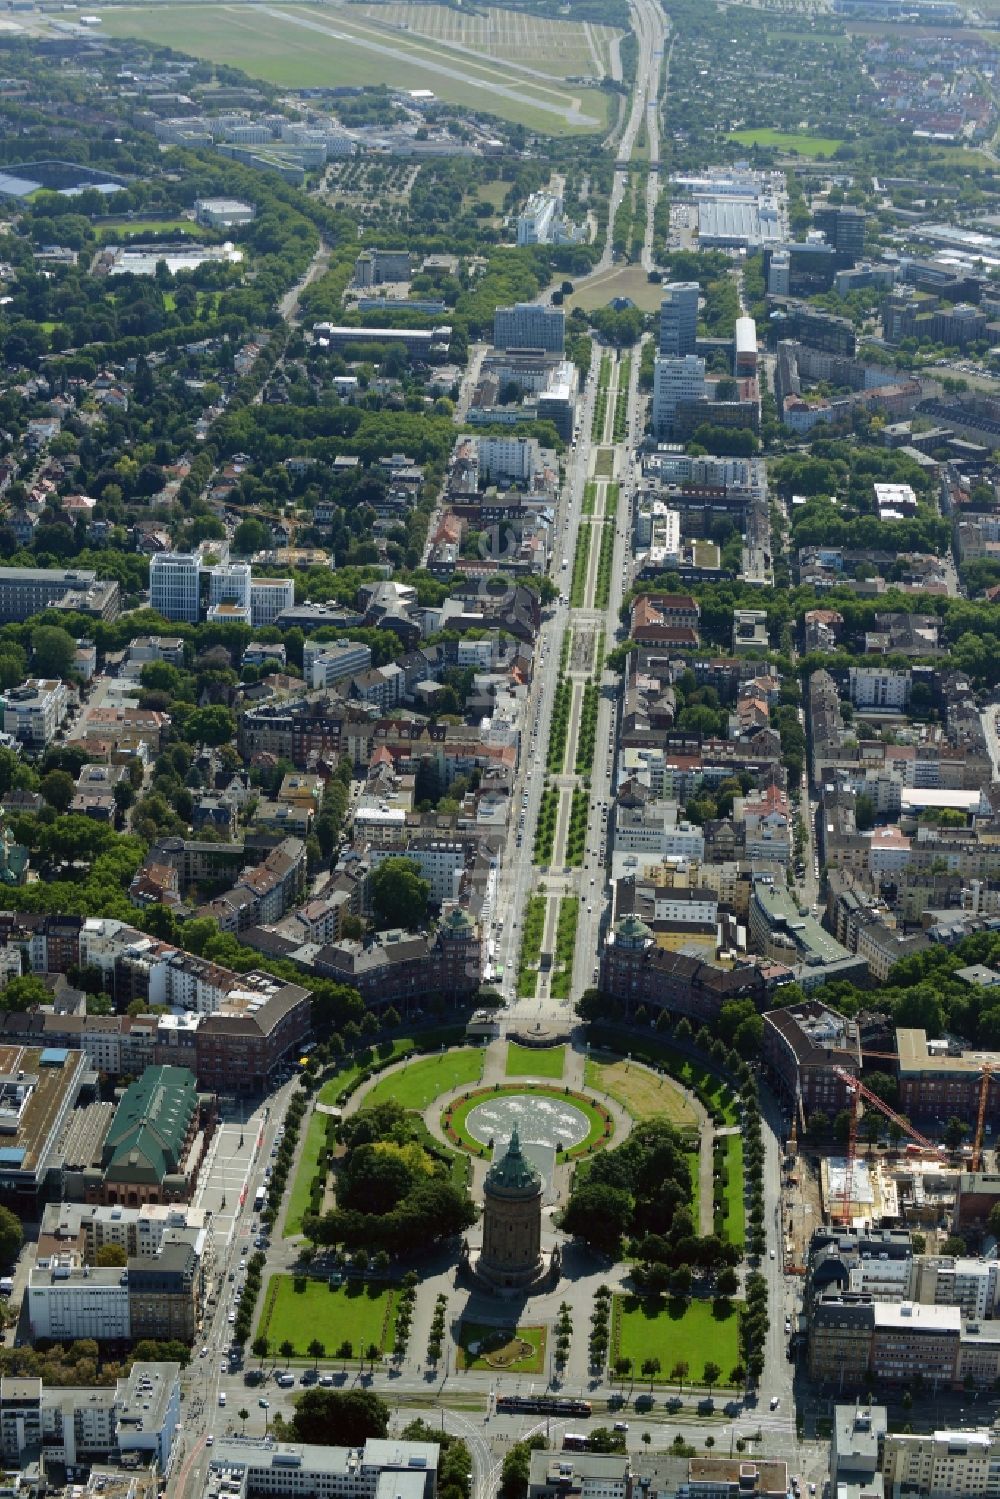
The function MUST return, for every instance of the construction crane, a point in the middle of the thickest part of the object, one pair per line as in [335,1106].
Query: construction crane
[859,1092]
[986,1073]
[984,1094]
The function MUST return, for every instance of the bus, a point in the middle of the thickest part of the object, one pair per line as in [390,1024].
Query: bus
[258,1201]
[575,1441]
[541,1405]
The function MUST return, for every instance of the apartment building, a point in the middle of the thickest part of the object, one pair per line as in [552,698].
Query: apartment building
[510,459]
[636,971]
[34,711]
[938,1079]
[804,1048]
[973,1285]
[877,687]
[324,664]
[941,1464]
[133,1421]
[589,1475]
[442,861]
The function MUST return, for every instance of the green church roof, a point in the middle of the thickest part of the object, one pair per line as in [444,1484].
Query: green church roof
[513,1172]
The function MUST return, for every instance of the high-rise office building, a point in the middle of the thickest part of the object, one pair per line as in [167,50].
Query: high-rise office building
[679,319]
[530,325]
[175,585]
[844,228]
[675,380]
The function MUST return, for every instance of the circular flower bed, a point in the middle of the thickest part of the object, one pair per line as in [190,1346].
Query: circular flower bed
[599,1121]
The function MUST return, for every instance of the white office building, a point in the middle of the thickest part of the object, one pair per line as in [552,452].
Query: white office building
[33,712]
[66,1302]
[675,380]
[229,583]
[175,585]
[511,459]
[330,661]
[530,325]
[679,318]
[538,219]
[268,597]
[384,1469]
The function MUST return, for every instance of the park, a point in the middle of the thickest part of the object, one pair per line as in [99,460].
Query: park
[453,1118]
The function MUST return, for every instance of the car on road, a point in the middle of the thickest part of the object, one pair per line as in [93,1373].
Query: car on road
[775,1402]
[210,1441]
[265,1405]
[772,1254]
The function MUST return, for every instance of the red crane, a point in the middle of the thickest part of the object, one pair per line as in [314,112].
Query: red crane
[858,1091]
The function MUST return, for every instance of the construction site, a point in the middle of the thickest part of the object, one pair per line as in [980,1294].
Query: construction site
[913,1181]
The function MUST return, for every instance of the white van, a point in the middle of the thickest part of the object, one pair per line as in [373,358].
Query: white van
[222,1397]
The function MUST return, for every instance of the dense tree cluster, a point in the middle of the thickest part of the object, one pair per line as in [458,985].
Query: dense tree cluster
[393,1190]
[636,1188]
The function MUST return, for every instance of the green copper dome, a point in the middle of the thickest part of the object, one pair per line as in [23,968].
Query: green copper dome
[632,932]
[513,1174]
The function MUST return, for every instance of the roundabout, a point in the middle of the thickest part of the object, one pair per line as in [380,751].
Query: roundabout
[569,1122]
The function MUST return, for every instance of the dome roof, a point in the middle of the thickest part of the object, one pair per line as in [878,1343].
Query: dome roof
[458,923]
[631,931]
[513,1174]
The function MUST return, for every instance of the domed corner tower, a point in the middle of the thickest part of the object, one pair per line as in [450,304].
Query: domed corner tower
[512,1220]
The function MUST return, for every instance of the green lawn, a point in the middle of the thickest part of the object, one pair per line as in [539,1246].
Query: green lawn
[529,1061]
[421,1081]
[604,465]
[298,1201]
[654,1052]
[386,1051]
[645,1094]
[304,46]
[300,1310]
[512,1351]
[788,140]
[674,1334]
[119,231]
[735,1212]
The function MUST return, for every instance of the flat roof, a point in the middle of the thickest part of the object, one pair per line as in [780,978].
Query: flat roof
[903,1316]
[32,1093]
